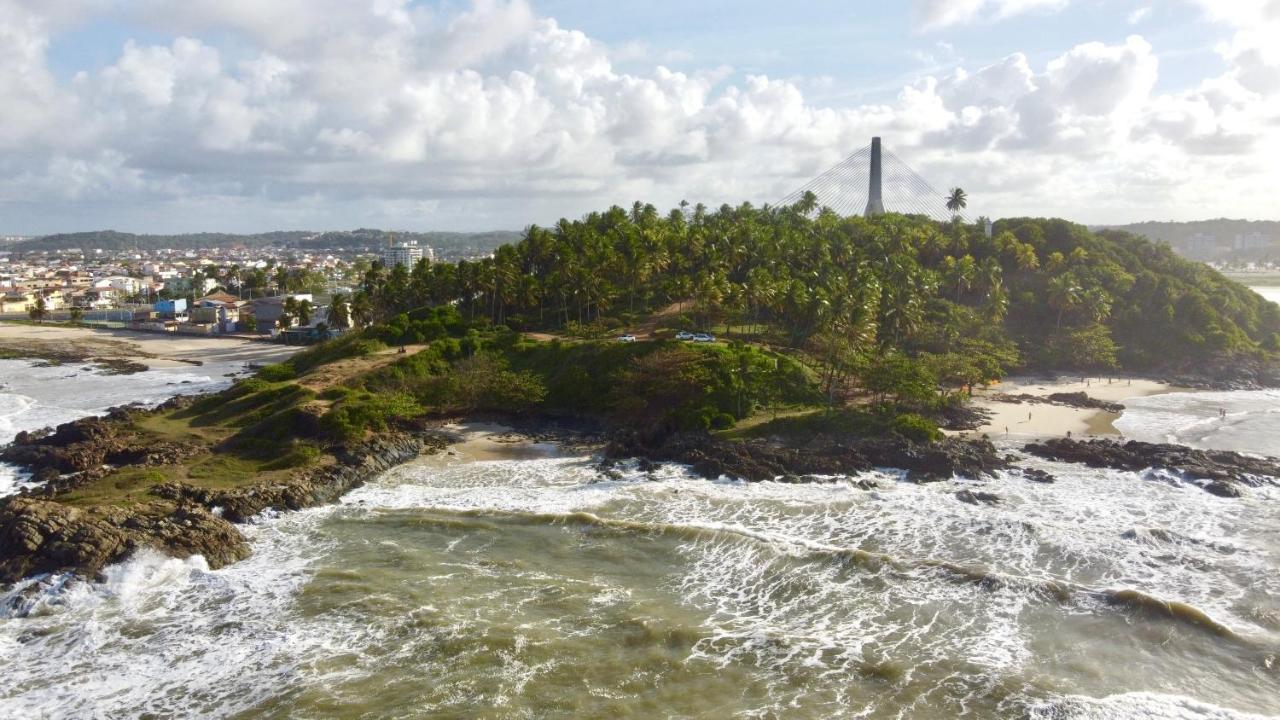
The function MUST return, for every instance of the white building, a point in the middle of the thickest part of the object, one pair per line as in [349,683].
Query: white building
[401,253]
[1203,242]
[1252,241]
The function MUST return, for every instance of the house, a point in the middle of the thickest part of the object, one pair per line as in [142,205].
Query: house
[18,302]
[218,297]
[172,309]
[125,284]
[269,309]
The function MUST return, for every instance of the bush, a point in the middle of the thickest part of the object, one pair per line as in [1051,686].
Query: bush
[722,421]
[915,427]
[348,420]
[280,372]
[297,455]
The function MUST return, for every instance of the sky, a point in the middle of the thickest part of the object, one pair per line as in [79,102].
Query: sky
[243,116]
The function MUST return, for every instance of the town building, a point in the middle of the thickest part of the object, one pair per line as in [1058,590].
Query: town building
[406,253]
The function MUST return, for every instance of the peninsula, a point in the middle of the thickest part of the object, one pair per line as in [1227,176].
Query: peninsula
[756,343]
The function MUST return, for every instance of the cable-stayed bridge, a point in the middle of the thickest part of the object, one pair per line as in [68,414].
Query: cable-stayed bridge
[873,181]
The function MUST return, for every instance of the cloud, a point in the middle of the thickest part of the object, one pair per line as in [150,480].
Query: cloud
[337,113]
[934,14]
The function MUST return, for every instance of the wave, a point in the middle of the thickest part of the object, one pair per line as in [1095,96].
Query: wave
[1135,706]
[801,549]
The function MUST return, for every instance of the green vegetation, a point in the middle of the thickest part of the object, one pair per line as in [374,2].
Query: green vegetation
[854,298]
[863,326]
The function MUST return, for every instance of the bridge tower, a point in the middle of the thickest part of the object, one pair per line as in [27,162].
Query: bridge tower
[875,203]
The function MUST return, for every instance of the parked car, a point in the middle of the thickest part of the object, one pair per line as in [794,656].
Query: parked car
[626,338]
[684,335]
[704,337]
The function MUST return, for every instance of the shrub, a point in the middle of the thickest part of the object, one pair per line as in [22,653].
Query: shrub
[915,427]
[722,421]
[297,455]
[279,372]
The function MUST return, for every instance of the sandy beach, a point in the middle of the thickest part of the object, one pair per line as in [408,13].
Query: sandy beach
[155,350]
[1030,419]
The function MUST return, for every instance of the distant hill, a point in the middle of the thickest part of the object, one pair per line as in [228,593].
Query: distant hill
[1221,239]
[446,244]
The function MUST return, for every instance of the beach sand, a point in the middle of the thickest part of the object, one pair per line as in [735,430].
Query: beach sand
[1040,420]
[155,350]
[484,442]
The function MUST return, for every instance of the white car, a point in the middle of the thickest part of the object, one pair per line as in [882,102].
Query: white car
[704,337]
[626,338]
[684,335]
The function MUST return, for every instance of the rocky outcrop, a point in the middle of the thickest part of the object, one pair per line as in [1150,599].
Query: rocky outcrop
[1216,471]
[713,457]
[76,452]
[1226,373]
[310,487]
[977,497]
[38,535]
[42,536]
[1065,399]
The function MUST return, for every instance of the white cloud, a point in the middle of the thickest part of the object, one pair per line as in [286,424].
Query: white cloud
[339,113]
[933,14]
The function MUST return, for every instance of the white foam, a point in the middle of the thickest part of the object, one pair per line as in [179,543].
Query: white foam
[1251,425]
[1136,706]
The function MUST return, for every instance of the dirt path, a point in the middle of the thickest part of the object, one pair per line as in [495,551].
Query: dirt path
[327,376]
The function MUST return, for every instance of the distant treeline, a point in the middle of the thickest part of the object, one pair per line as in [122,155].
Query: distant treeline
[446,244]
[1179,234]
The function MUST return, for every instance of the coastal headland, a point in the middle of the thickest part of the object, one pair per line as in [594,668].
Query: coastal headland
[844,346]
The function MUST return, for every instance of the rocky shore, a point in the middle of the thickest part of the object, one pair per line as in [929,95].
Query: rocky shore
[1216,471]
[712,457]
[41,534]
[1078,400]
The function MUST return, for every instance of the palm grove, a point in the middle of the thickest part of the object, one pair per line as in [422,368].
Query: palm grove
[888,307]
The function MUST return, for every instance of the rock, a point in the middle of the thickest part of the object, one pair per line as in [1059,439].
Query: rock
[315,486]
[45,536]
[1222,489]
[1224,470]
[42,536]
[1038,476]
[1065,399]
[758,460]
[1082,400]
[977,498]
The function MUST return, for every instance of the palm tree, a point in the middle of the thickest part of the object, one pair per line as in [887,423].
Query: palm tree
[1064,294]
[339,312]
[304,312]
[957,201]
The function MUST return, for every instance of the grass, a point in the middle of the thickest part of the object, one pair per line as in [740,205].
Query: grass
[126,487]
[215,422]
[765,424]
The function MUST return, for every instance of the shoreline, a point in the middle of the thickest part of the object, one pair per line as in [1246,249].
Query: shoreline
[1042,420]
[61,343]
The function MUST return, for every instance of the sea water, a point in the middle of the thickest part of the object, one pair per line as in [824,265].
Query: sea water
[538,586]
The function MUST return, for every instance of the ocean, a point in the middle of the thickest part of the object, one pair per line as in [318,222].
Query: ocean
[532,585]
